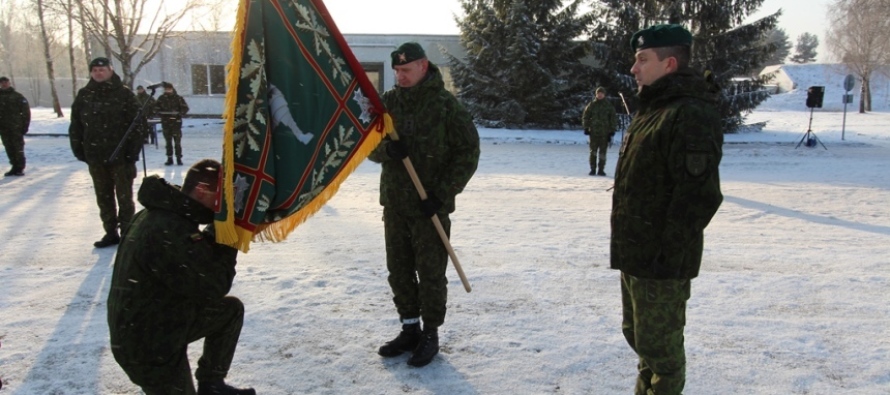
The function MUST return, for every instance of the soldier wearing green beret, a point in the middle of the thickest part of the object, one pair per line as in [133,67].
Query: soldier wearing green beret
[599,121]
[439,137]
[667,189]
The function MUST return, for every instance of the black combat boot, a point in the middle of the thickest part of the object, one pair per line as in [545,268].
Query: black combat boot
[219,387]
[179,160]
[15,171]
[426,349]
[169,161]
[600,172]
[592,172]
[406,341]
[108,240]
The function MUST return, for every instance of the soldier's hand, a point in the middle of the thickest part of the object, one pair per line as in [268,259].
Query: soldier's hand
[396,150]
[430,206]
[586,132]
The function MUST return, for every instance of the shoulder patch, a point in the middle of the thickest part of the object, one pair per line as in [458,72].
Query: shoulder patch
[696,163]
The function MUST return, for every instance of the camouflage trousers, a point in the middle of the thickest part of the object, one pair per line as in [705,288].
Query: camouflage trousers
[654,315]
[110,182]
[14,142]
[173,141]
[598,147]
[220,327]
[417,259]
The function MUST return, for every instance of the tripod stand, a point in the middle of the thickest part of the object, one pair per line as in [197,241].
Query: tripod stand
[810,136]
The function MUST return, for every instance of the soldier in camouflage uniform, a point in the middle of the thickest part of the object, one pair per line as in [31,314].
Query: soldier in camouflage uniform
[15,119]
[599,121]
[439,137]
[101,114]
[162,299]
[147,103]
[171,107]
[667,189]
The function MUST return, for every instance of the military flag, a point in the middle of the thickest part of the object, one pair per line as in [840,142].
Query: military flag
[300,114]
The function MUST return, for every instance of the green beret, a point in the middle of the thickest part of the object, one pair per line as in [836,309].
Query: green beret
[407,53]
[100,62]
[661,36]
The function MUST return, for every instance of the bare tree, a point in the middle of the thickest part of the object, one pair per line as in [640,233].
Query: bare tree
[7,46]
[125,21]
[47,45]
[859,37]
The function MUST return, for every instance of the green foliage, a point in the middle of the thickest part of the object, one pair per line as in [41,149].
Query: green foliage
[805,50]
[523,65]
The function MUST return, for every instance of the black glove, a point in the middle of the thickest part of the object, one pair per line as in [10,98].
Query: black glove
[430,206]
[587,132]
[396,150]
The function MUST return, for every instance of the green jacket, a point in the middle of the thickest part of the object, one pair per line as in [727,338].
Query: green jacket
[599,118]
[100,116]
[15,113]
[147,103]
[170,107]
[667,181]
[442,142]
[165,272]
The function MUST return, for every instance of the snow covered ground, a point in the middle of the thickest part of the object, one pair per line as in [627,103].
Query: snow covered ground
[792,298]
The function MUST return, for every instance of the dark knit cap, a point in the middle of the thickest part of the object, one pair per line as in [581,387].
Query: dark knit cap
[407,53]
[167,85]
[4,79]
[661,36]
[600,89]
[100,62]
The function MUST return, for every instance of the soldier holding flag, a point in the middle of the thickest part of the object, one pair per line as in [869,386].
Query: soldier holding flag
[439,137]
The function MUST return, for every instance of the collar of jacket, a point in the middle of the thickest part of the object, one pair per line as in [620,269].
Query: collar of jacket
[157,194]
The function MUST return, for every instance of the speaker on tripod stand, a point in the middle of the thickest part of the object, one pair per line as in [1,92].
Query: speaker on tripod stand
[815,94]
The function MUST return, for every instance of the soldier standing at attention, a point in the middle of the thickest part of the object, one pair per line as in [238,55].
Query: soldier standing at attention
[101,114]
[599,121]
[667,189]
[171,107]
[15,118]
[439,137]
[162,299]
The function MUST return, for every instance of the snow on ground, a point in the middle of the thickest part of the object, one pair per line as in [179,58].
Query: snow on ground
[792,298]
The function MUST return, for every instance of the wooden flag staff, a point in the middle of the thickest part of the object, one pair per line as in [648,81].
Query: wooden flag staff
[423,196]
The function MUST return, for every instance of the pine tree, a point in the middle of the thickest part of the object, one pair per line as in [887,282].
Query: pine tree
[523,62]
[721,44]
[805,50]
[780,39]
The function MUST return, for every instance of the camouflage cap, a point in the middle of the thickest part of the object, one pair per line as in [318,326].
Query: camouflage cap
[407,53]
[100,62]
[600,89]
[167,85]
[661,36]
[140,87]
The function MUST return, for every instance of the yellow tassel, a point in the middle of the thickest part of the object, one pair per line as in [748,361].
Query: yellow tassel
[226,232]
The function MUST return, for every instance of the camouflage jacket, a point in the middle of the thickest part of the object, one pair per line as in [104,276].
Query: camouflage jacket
[599,118]
[165,272]
[667,183]
[442,142]
[170,107]
[147,103]
[15,112]
[100,116]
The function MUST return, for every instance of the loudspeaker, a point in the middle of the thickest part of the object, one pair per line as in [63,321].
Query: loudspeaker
[814,96]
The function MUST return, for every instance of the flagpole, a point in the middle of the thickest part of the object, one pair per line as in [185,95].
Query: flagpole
[423,196]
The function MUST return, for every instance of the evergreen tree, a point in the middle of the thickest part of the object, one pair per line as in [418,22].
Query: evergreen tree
[722,45]
[805,51]
[780,39]
[523,62]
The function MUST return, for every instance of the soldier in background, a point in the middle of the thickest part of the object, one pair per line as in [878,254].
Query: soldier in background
[439,137]
[667,189]
[170,107]
[162,299]
[15,119]
[147,103]
[599,121]
[101,114]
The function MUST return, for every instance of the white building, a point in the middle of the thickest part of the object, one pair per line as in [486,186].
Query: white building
[195,62]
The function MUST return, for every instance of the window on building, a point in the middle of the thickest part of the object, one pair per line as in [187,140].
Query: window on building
[208,79]
[375,74]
